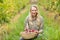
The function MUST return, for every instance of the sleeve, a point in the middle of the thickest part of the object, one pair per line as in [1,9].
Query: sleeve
[42,25]
[26,23]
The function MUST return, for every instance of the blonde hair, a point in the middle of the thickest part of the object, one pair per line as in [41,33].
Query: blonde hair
[38,20]
[34,6]
[38,16]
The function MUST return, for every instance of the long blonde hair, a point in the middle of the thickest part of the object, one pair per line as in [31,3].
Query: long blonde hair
[37,15]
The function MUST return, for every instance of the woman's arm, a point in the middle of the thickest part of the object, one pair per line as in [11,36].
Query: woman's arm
[26,24]
[42,25]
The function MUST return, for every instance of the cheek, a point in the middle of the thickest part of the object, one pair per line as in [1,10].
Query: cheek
[36,11]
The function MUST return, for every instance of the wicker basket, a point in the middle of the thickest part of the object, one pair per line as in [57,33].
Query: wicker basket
[28,35]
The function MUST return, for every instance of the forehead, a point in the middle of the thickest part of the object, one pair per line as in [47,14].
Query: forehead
[33,8]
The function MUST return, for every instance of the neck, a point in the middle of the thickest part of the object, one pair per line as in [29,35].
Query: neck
[34,17]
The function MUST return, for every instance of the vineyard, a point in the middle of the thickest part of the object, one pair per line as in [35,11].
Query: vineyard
[14,12]
[9,8]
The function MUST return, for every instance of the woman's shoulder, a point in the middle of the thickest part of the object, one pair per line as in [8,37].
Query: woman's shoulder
[27,18]
[41,18]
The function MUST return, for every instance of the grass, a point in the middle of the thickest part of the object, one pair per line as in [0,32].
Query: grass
[17,27]
[51,28]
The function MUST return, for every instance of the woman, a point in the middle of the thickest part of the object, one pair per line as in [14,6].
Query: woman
[34,21]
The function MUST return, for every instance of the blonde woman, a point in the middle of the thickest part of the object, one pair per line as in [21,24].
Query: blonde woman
[34,21]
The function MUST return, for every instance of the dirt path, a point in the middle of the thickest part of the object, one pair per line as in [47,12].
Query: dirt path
[18,15]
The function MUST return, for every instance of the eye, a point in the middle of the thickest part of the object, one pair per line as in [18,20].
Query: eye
[32,10]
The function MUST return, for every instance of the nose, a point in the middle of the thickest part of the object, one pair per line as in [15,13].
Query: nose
[34,11]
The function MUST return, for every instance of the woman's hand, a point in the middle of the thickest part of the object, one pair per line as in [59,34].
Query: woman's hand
[41,31]
[37,32]
[26,29]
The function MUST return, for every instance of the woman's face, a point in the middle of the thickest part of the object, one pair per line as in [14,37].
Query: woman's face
[33,11]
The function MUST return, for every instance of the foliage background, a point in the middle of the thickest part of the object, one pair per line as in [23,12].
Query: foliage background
[49,9]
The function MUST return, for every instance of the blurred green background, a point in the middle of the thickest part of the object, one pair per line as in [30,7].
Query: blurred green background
[14,12]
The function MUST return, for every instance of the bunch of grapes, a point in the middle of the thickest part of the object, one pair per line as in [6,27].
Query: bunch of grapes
[30,31]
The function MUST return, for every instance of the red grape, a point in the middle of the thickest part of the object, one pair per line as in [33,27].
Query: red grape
[32,30]
[29,30]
